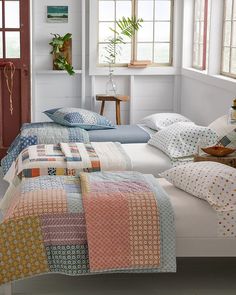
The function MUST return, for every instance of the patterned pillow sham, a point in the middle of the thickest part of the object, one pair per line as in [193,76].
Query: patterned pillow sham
[222,126]
[82,118]
[229,140]
[161,120]
[182,139]
[210,181]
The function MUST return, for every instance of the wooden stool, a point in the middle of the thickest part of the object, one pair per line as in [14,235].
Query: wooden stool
[117,98]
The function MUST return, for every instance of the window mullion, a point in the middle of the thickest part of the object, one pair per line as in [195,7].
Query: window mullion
[3,30]
[154,26]
[231,38]
[205,34]
[115,29]
[134,38]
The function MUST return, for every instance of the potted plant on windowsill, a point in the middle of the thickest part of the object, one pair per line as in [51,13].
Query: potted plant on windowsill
[126,28]
[62,53]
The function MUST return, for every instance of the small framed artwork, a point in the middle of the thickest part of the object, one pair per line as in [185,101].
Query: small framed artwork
[57,14]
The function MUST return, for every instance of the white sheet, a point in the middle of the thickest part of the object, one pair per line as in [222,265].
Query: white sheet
[196,225]
[147,159]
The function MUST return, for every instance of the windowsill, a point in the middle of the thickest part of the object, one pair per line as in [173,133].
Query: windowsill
[219,81]
[125,71]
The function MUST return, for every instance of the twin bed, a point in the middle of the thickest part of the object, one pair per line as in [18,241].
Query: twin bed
[191,225]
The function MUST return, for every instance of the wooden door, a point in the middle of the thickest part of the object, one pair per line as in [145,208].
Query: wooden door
[14,51]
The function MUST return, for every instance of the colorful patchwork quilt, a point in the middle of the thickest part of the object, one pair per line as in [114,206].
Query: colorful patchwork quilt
[98,223]
[68,159]
[42,133]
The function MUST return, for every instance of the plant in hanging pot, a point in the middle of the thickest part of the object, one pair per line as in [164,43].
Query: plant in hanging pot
[125,28]
[62,53]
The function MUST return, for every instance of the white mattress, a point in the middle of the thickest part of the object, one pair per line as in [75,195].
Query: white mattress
[196,226]
[147,159]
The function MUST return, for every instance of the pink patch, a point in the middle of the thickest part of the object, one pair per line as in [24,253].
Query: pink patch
[64,229]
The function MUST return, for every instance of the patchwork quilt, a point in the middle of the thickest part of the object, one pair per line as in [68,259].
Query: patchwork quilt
[42,133]
[98,223]
[68,159]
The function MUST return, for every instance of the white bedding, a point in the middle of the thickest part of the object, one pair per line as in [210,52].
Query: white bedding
[147,159]
[196,226]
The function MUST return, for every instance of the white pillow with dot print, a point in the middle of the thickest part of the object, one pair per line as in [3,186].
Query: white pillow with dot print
[161,120]
[182,139]
[210,181]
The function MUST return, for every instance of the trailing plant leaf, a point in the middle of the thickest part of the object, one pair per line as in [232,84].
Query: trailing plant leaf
[62,64]
[58,43]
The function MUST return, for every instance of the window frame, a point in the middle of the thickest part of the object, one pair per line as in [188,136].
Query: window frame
[134,41]
[205,35]
[223,73]
[4,30]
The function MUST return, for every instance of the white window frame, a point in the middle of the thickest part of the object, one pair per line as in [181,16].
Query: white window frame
[174,69]
[200,42]
[229,73]
[134,41]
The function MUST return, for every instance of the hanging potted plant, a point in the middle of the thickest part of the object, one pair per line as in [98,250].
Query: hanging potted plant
[62,53]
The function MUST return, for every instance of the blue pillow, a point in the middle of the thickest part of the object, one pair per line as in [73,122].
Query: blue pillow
[82,118]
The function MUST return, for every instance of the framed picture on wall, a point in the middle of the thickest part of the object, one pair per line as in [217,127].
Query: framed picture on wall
[57,14]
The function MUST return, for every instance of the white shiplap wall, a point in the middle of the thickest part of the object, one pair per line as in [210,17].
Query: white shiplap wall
[149,93]
[54,90]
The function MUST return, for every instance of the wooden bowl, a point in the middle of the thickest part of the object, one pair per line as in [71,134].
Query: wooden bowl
[218,151]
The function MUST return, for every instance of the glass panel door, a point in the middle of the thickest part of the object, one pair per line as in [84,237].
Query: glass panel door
[10,29]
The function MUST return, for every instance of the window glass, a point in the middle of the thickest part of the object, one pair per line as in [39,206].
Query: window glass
[200,34]
[228,67]
[106,10]
[12,44]
[152,42]
[1,47]
[12,15]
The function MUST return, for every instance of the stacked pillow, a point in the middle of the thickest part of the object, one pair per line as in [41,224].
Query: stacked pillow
[182,139]
[210,181]
[82,118]
[225,130]
[161,120]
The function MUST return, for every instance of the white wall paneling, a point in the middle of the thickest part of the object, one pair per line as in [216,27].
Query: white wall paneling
[53,89]
[204,102]
[152,89]
[178,88]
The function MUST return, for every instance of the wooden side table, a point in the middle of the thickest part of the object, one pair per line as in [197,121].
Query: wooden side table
[117,99]
[228,160]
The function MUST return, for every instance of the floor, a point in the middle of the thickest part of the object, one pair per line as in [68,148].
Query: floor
[196,276]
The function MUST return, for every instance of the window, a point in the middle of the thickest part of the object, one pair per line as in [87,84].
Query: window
[200,34]
[10,29]
[152,42]
[228,67]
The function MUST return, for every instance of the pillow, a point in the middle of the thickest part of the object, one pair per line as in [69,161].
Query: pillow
[182,139]
[211,181]
[222,126]
[162,120]
[229,140]
[79,117]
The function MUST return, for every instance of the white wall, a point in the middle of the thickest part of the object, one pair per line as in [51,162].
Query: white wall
[54,90]
[152,93]
[205,95]
[203,102]
[198,96]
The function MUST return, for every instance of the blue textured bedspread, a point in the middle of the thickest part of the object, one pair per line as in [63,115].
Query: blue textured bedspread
[122,134]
